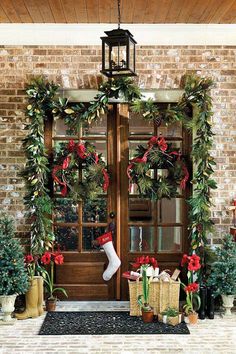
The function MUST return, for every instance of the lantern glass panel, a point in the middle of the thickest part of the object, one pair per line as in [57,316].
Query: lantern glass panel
[131,56]
[107,60]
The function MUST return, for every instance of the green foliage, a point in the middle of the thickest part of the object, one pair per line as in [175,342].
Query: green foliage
[193,303]
[143,299]
[90,184]
[168,176]
[13,275]
[197,94]
[35,174]
[196,99]
[170,312]
[223,271]
[80,115]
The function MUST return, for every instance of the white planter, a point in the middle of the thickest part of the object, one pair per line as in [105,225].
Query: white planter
[228,303]
[8,306]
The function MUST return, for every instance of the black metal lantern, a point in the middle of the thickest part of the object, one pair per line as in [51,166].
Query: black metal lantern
[118,52]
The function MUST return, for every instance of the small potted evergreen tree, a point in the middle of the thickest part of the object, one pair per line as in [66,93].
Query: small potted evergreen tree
[223,273]
[13,275]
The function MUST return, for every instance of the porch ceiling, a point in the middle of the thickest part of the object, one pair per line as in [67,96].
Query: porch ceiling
[105,11]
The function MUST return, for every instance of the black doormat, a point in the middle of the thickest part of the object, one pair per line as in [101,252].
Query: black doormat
[106,322]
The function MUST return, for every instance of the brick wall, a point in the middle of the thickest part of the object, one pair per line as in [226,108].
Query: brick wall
[78,67]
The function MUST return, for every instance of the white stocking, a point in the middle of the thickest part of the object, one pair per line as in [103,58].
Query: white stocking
[105,242]
[114,261]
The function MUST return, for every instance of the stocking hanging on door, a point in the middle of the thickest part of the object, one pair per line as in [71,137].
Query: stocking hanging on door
[105,241]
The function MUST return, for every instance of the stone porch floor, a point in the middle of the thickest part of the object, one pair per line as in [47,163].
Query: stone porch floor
[207,337]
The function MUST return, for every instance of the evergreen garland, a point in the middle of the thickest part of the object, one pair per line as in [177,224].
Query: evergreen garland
[196,99]
[38,203]
[78,115]
[42,102]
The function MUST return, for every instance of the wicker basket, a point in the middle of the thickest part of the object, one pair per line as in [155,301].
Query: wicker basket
[161,295]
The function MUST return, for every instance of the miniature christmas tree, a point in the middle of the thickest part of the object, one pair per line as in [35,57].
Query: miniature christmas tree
[13,275]
[223,271]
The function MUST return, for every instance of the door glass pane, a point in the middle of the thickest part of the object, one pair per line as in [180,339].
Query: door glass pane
[101,148]
[139,126]
[169,238]
[98,128]
[66,238]
[89,235]
[141,239]
[133,145]
[171,130]
[95,210]
[140,209]
[65,210]
[170,210]
[60,128]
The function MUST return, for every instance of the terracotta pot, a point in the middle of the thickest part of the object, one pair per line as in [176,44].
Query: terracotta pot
[51,305]
[193,318]
[147,316]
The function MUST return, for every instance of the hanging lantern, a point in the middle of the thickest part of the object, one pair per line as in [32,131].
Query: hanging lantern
[118,52]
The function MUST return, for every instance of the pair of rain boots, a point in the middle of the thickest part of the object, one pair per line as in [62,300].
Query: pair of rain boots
[33,299]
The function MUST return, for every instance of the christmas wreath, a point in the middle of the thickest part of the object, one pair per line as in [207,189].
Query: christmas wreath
[158,155]
[70,160]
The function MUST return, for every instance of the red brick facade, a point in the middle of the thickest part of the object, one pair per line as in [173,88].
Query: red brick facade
[78,67]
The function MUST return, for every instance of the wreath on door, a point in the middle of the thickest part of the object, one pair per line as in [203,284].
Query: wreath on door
[79,171]
[158,169]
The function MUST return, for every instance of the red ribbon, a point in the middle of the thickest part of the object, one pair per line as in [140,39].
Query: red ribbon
[81,151]
[186,177]
[106,180]
[56,179]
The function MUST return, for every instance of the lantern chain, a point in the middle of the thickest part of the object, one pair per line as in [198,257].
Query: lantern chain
[119,16]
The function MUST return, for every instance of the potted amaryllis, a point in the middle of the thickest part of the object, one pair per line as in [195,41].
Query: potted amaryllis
[193,301]
[50,259]
[144,263]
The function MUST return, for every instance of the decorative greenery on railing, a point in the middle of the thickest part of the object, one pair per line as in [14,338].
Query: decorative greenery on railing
[42,102]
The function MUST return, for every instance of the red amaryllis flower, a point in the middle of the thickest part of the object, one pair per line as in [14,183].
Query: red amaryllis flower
[58,258]
[145,260]
[194,263]
[191,288]
[46,258]
[153,262]
[185,260]
[81,149]
[71,145]
[29,258]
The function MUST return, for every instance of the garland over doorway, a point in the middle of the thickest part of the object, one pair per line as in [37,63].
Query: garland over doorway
[43,103]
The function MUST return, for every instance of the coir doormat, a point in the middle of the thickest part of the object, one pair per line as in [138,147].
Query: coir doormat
[106,322]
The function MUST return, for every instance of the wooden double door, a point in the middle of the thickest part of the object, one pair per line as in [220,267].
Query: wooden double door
[142,226]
